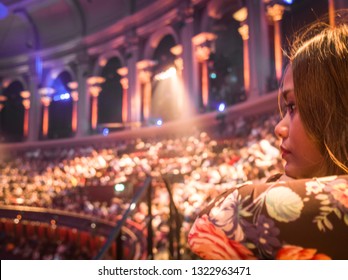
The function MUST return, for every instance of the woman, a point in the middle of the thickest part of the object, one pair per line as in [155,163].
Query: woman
[306,218]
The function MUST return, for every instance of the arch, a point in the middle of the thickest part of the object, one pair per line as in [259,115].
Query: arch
[12,115]
[54,73]
[156,38]
[105,57]
[103,60]
[10,79]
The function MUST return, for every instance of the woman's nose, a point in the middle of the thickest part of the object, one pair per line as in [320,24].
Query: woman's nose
[281,130]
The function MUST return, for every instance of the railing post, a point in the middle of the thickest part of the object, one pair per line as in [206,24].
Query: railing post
[149,225]
[119,246]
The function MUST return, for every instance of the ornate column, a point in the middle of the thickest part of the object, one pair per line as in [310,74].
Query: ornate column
[203,47]
[75,97]
[46,99]
[332,12]
[144,74]
[26,104]
[35,107]
[276,13]
[241,16]
[83,104]
[123,72]
[260,71]
[94,90]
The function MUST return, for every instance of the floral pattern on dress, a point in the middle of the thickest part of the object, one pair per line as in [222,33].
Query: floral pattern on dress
[290,252]
[256,224]
[333,197]
[211,242]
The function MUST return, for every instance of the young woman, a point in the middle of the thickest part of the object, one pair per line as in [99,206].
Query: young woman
[306,218]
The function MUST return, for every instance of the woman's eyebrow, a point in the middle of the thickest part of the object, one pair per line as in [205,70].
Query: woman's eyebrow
[285,94]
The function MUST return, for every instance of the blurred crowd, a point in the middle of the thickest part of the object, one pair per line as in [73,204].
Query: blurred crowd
[199,166]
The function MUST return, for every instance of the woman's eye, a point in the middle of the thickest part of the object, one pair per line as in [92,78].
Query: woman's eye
[290,108]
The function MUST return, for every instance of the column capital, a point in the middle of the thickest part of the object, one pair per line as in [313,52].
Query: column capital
[179,63]
[73,85]
[203,37]
[244,32]
[46,101]
[74,95]
[95,80]
[123,71]
[276,12]
[145,76]
[3,98]
[124,83]
[145,64]
[94,90]
[241,15]
[26,104]
[25,94]
[176,50]
[202,53]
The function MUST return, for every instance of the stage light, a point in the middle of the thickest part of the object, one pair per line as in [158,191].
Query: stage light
[169,73]
[222,107]
[63,96]
[105,131]
[119,187]
[213,75]
[3,11]
[159,122]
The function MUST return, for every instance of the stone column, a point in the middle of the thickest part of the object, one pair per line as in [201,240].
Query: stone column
[75,97]
[144,75]
[203,47]
[26,104]
[94,89]
[46,99]
[35,108]
[123,72]
[276,13]
[83,104]
[259,49]
[241,16]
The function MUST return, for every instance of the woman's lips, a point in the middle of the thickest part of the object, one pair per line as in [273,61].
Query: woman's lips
[284,152]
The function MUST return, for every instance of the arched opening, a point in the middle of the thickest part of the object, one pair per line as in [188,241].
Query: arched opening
[12,115]
[60,110]
[110,97]
[225,65]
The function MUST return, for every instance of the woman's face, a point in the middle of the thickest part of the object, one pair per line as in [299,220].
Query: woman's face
[302,156]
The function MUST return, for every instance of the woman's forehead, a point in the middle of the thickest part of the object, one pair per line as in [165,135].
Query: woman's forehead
[288,84]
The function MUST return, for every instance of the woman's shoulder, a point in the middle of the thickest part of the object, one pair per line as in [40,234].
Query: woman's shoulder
[261,221]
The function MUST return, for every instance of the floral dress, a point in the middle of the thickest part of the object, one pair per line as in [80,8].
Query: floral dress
[299,219]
